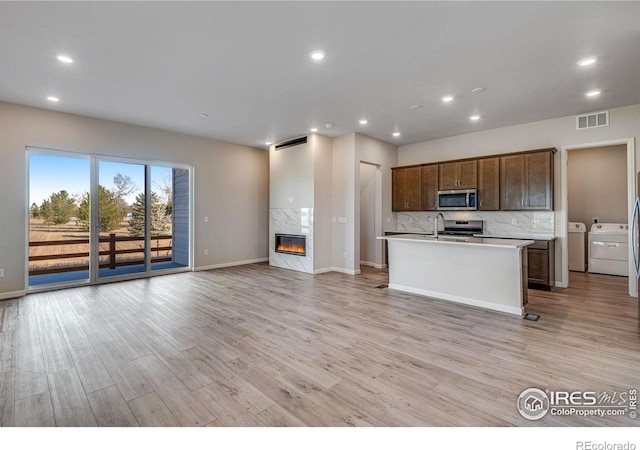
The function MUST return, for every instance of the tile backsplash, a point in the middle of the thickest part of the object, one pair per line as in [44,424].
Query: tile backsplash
[495,222]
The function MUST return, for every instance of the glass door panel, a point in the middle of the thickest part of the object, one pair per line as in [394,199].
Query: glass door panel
[58,233]
[121,219]
[169,216]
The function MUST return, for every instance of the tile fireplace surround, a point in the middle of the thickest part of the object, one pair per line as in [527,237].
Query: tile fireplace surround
[291,221]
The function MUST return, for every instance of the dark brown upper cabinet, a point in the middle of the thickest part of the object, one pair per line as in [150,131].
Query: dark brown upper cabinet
[430,187]
[407,188]
[489,184]
[526,181]
[459,175]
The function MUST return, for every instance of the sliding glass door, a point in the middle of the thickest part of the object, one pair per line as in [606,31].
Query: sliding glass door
[58,247]
[92,218]
[122,220]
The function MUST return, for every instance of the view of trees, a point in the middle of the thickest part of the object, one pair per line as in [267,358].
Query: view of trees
[110,215]
[60,208]
[159,217]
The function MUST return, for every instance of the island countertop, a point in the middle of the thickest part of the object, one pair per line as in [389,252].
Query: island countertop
[460,240]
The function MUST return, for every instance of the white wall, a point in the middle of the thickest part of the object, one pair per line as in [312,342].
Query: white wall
[230,182]
[343,194]
[291,177]
[323,197]
[368,240]
[597,184]
[561,132]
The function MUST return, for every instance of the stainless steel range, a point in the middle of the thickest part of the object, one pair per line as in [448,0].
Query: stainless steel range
[462,227]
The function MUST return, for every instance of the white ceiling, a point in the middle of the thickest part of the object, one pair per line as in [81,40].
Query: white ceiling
[247,65]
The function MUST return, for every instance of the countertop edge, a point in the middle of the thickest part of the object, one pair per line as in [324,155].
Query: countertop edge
[493,242]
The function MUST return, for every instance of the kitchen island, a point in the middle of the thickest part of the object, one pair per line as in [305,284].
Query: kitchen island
[485,272]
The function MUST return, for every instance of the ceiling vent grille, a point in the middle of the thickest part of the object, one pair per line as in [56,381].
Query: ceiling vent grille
[592,120]
[291,143]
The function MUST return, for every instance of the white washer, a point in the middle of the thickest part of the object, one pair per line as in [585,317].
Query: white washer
[609,249]
[577,261]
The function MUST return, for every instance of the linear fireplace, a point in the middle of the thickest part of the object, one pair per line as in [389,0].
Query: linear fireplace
[292,244]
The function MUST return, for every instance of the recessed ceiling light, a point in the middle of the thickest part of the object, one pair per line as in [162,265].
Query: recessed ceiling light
[415,106]
[204,115]
[64,58]
[395,134]
[317,55]
[477,90]
[328,125]
[447,98]
[475,117]
[51,98]
[593,93]
[587,61]
[313,130]
[268,143]
[363,121]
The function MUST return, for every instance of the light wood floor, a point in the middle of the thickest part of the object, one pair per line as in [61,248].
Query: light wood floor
[256,345]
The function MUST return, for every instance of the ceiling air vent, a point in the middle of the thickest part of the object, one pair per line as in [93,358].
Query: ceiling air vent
[592,120]
[291,143]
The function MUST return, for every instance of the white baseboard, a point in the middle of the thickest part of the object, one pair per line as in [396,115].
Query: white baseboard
[15,294]
[230,264]
[372,264]
[337,269]
[560,284]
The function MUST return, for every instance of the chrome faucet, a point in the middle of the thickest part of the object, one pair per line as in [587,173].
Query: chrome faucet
[435,224]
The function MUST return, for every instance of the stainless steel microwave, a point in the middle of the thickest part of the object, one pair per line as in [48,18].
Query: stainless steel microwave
[458,200]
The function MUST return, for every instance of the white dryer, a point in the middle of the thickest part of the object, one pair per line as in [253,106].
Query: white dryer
[609,249]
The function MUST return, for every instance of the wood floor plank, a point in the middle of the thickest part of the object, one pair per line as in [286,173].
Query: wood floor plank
[246,394]
[92,372]
[150,411]
[30,383]
[28,350]
[180,401]
[110,409]
[7,399]
[184,370]
[123,372]
[9,320]
[7,350]
[55,352]
[70,405]
[35,411]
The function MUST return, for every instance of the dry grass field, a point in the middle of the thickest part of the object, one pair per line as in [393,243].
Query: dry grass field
[71,231]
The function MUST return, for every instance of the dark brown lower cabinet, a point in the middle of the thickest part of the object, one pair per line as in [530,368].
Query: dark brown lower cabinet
[541,265]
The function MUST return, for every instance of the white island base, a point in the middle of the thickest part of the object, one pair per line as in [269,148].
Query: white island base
[488,273]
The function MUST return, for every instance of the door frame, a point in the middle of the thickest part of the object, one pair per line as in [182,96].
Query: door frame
[94,160]
[563,213]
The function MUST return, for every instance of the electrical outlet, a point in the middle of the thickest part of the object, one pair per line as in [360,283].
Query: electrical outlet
[289,199]
[514,221]
[1,273]
[206,251]
[206,218]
